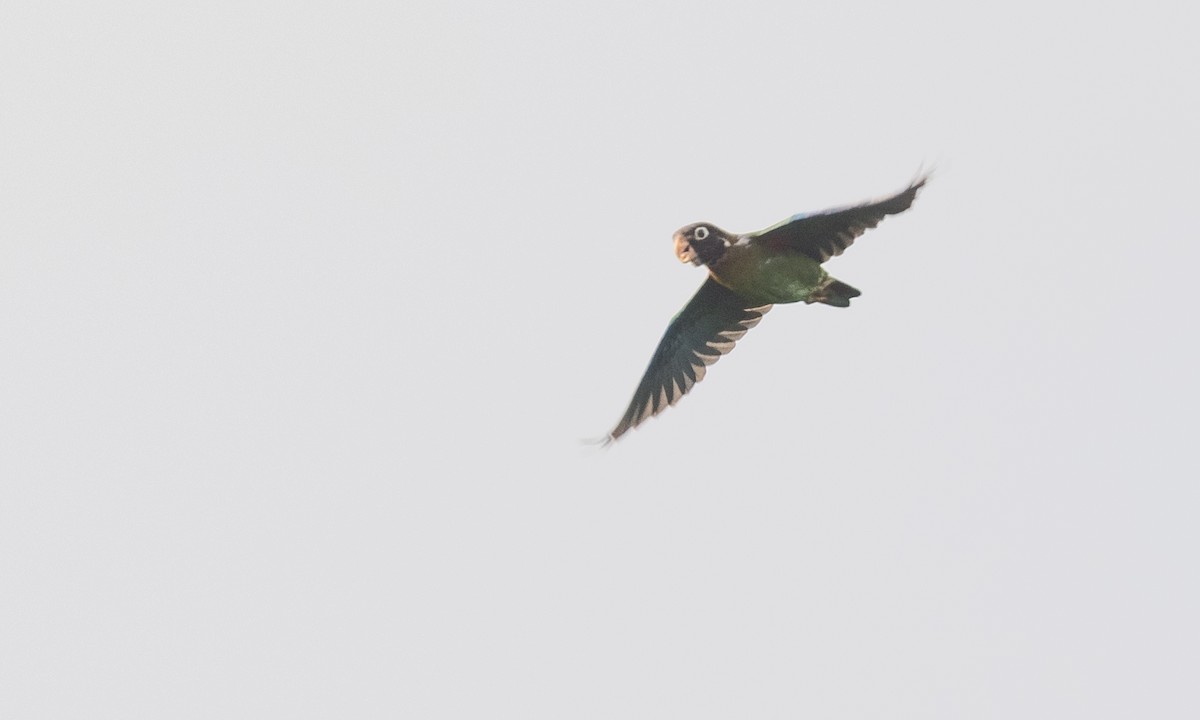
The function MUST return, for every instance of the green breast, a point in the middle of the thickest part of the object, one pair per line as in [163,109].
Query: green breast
[766,277]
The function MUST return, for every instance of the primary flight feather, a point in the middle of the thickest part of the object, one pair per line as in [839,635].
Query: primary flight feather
[747,274]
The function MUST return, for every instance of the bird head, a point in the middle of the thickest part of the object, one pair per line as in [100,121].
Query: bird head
[701,243]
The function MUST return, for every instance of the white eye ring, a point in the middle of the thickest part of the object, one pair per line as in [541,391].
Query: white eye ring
[701,233]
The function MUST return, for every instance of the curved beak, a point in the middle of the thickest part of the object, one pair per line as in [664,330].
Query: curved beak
[684,251]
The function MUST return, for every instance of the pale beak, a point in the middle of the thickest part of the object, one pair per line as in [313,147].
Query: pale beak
[684,251]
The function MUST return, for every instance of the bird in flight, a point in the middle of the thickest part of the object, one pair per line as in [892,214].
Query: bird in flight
[747,275]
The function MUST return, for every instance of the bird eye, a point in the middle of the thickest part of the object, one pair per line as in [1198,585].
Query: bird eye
[701,232]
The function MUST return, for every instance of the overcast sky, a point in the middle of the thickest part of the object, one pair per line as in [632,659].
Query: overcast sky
[305,308]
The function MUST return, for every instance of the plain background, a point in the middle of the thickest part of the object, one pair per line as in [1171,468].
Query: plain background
[305,307]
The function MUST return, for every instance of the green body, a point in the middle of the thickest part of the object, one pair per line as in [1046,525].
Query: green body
[767,277]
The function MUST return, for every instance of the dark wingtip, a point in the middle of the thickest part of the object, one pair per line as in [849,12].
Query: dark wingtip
[903,200]
[602,443]
[920,178]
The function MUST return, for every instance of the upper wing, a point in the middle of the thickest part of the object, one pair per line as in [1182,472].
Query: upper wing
[707,328]
[828,233]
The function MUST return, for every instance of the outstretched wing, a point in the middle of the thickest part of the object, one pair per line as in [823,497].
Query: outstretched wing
[826,234]
[707,328]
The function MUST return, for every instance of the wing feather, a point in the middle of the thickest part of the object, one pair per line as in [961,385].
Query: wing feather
[708,327]
[827,234]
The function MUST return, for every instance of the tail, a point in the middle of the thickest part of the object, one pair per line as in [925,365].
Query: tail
[835,293]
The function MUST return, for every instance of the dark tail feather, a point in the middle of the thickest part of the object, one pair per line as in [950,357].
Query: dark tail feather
[836,293]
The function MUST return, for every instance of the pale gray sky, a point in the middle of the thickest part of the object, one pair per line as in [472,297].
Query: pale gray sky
[305,307]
